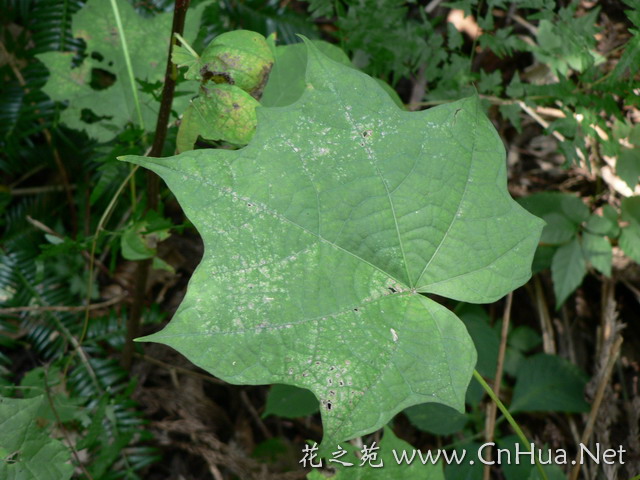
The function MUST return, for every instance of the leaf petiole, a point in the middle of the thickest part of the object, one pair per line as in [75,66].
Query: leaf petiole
[186,45]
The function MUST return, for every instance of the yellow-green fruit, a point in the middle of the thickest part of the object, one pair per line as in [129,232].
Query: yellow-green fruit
[241,58]
[221,112]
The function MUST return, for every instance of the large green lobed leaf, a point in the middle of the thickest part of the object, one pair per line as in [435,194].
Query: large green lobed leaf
[321,235]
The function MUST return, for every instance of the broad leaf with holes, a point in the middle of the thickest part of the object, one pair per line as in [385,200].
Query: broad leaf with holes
[98,91]
[323,235]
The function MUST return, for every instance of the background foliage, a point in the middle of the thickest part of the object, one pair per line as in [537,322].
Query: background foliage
[557,78]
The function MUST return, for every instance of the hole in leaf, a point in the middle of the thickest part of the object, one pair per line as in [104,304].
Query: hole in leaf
[87,116]
[392,290]
[101,79]
[216,77]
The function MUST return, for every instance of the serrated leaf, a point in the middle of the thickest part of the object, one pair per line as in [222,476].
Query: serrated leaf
[512,113]
[322,233]
[114,106]
[541,374]
[629,58]
[568,268]
[31,452]
[598,252]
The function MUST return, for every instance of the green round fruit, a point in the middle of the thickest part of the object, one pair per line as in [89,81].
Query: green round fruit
[240,58]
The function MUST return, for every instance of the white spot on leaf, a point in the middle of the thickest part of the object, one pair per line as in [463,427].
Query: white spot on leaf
[394,335]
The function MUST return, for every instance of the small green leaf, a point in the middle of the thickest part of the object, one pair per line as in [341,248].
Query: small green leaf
[598,252]
[487,344]
[288,401]
[53,239]
[34,455]
[558,230]
[628,166]
[568,268]
[189,130]
[562,212]
[634,135]
[513,113]
[630,236]
[184,57]
[630,57]
[133,243]
[484,337]
[542,374]
[160,264]
[607,224]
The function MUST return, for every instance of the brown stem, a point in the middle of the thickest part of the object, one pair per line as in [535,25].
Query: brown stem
[613,353]
[153,182]
[492,408]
